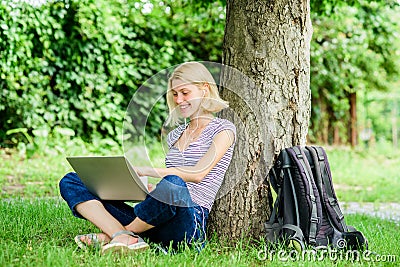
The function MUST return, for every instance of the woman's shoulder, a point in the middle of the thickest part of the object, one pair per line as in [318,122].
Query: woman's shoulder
[220,124]
[224,123]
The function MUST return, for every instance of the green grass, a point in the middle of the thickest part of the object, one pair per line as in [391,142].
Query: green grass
[358,175]
[365,176]
[37,229]
[38,175]
[40,233]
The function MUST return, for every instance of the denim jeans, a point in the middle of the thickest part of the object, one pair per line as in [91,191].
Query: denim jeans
[169,208]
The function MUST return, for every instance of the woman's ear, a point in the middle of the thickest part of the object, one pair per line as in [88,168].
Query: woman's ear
[206,88]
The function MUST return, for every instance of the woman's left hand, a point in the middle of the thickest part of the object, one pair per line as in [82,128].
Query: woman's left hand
[144,171]
[150,187]
[138,170]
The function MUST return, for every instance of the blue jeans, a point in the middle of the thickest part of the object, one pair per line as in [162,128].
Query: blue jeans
[169,208]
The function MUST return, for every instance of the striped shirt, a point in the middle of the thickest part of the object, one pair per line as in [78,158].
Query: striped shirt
[202,193]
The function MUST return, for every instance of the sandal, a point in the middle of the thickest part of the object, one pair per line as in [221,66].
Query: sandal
[94,242]
[124,248]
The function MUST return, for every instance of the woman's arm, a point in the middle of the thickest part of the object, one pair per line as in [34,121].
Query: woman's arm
[221,143]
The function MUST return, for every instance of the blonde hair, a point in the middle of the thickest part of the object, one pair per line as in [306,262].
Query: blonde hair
[197,74]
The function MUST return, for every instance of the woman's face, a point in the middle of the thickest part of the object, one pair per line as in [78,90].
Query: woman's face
[187,97]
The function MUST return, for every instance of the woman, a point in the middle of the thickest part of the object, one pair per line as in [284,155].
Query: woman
[177,209]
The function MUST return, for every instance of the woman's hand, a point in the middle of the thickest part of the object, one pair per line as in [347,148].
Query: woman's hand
[149,171]
[150,187]
[141,171]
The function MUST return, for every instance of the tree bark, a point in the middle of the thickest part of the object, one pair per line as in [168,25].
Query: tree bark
[353,119]
[336,135]
[269,43]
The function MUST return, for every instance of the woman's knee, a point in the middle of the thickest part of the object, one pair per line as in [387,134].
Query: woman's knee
[172,184]
[172,190]
[174,180]
[69,181]
[70,177]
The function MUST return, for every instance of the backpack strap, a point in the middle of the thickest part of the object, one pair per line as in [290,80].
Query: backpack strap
[276,179]
[314,220]
[322,170]
[272,218]
[273,226]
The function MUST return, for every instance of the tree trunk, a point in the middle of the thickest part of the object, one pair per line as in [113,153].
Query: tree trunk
[268,42]
[336,135]
[353,119]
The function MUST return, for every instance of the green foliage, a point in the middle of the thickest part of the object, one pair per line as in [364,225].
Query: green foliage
[353,51]
[328,7]
[76,64]
[379,111]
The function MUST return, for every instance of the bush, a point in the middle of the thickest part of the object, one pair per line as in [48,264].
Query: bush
[76,64]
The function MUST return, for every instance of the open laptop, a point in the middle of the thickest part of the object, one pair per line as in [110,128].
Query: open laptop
[110,177]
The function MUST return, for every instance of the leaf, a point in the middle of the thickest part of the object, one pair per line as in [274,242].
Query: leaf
[4,26]
[41,132]
[64,131]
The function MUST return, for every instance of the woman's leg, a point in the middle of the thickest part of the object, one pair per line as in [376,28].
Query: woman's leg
[169,209]
[108,216]
[95,212]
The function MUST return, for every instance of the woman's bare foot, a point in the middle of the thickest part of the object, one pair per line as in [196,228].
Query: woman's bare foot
[125,239]
[92,240]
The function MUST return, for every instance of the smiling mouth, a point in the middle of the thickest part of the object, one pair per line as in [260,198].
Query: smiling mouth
[184,107]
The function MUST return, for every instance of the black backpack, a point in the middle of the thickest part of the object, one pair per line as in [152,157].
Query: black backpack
[306,209]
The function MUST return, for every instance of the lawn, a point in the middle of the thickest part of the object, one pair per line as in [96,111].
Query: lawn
[366,175]
[40,233]
[38,229]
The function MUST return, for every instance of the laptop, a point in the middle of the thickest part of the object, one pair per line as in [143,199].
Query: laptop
[110,177]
